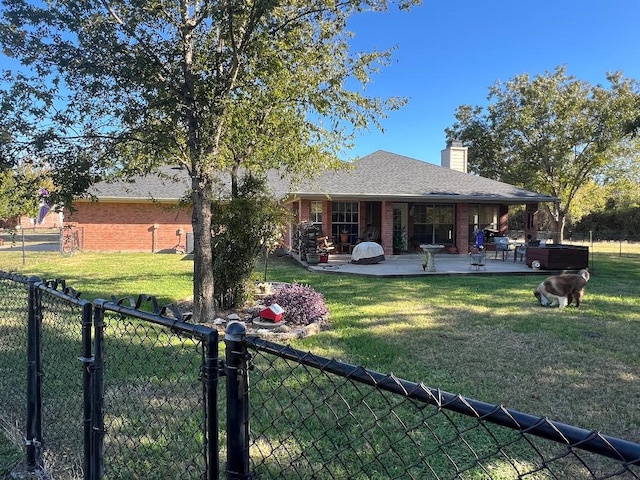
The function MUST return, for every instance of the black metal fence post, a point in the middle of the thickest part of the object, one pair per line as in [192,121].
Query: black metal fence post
[87,387]
[97,415]
[34,377]
[210,378]
[237,402]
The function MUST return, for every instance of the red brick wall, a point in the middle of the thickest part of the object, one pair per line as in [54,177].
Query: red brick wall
[386,229]
[462,227]
[139,227]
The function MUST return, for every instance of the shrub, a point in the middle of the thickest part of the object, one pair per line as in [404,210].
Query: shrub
[242,227]
[302,304]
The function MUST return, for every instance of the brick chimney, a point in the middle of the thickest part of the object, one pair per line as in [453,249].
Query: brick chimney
[454,156]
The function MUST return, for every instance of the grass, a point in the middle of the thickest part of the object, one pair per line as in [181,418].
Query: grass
[481,336]
[10,456]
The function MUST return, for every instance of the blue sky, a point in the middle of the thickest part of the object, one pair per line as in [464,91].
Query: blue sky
[450,53]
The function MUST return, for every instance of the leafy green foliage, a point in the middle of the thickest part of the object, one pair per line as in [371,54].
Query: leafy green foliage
[611,223]
[243,228]
[551,133]
[20,192]
[126,86]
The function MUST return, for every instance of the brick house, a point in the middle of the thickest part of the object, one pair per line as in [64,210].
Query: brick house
[144,215]
[395,195]
[383,192]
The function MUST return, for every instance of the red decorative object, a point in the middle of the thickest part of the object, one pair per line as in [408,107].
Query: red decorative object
[272,312]
[324,257]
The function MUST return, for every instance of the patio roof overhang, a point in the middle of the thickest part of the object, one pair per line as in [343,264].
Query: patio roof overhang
[438,197]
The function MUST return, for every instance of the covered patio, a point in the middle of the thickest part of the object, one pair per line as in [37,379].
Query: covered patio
[410,265]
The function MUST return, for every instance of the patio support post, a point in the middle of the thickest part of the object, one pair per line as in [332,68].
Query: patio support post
[462,233]
[386,230]
[531,221]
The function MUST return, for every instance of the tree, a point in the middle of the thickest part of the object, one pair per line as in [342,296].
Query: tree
[217,86]
[551,134]
[20,192]
[612,202]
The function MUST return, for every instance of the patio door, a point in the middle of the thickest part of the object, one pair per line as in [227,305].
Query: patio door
[400,222]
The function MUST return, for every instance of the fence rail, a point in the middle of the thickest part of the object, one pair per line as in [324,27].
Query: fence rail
[381,426]
[122,389]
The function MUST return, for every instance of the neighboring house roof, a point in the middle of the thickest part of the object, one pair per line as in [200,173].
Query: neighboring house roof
[171,184]
[380,175]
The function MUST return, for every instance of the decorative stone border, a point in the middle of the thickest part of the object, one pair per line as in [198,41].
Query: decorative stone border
[254,324]
[267,330]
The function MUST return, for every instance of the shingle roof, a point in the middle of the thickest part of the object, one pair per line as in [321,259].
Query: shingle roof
[169,185]
[380,175]
[391,176]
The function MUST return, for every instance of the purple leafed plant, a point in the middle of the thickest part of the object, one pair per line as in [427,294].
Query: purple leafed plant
[302,304]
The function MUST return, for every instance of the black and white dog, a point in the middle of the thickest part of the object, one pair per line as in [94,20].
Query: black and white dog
[562,290]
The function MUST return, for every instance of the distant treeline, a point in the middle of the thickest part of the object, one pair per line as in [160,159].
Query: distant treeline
[623,223]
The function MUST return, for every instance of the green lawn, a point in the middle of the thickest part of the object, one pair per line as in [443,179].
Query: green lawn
[9,457]
[484,337]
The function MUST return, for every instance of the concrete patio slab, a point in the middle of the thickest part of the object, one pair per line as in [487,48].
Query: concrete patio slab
[410,265]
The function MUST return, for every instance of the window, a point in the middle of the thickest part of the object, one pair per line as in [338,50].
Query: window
[344,218]
[433,223]
[482,217]
[316,212]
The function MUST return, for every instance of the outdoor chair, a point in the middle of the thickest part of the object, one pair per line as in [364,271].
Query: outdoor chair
[371,234]
[502,246]
[521,251]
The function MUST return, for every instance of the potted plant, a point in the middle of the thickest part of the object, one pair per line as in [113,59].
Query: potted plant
[344,236]
[398,241]
[313,258]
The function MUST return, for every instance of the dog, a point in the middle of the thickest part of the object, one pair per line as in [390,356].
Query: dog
[561,290]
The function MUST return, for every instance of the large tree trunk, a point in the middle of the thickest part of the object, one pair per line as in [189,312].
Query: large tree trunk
[201,180]
[560,219]
[203,287]
[561,224]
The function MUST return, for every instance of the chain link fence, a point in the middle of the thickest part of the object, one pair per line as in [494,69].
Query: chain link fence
[155,404]
[125,389]
[13,355]
[61,399]
[112,389]
[312,417]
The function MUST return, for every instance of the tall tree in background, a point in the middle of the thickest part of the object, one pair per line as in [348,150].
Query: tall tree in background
[551,133]
[214,85]
[20,192]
